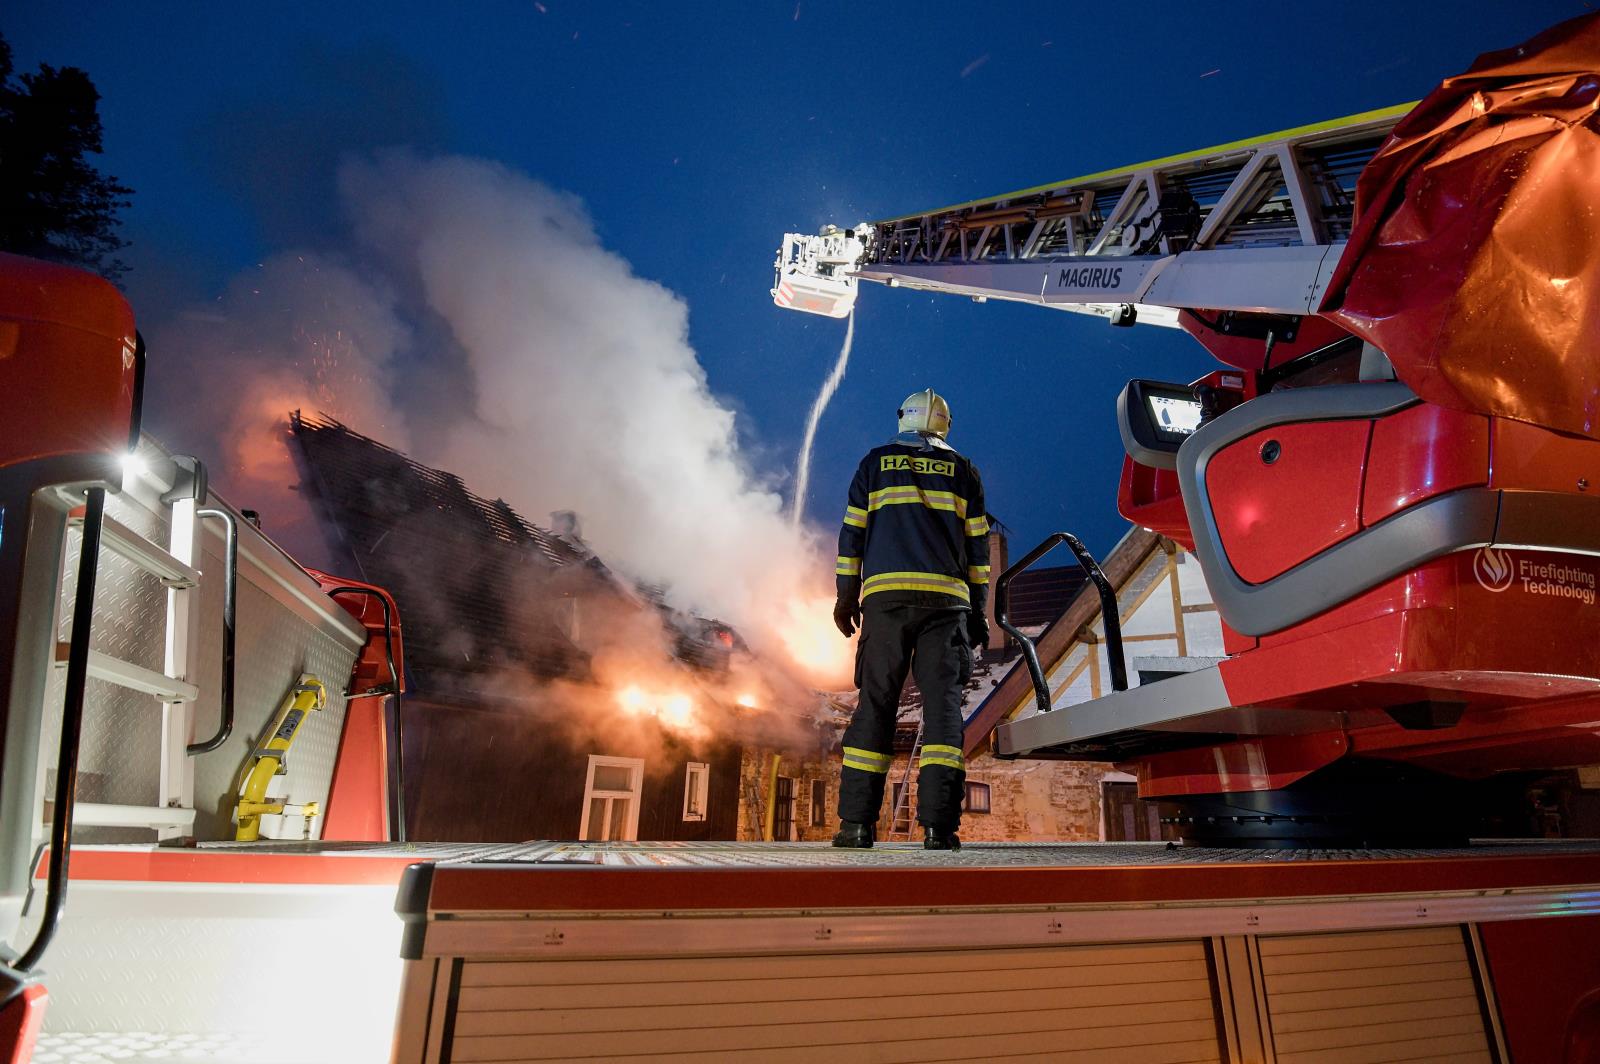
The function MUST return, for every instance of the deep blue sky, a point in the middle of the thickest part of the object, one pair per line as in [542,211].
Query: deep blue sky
[697,133]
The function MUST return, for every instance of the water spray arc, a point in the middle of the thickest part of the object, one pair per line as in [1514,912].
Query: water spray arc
[802,480]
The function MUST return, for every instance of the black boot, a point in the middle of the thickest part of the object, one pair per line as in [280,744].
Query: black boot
[853,836]
[938,840]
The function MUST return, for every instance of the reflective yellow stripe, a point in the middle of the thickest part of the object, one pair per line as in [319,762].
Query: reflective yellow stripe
[977,574]
[910,493]
[945,762]
[848,566]
[855,517]
[869,755]
[867,760]
[938,748]
[978,526]
[948,756]
[947,585]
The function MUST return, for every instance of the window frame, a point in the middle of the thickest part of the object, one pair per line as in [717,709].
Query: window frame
[818,815]
[988,798]
[635,795]
[701,791]
[793,804]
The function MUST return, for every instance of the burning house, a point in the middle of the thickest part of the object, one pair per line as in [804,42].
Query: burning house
[600,712]
[574,700]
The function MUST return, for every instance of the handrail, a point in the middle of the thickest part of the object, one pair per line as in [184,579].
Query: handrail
[230,597]
[394,689]
[55,901]
[1108,611]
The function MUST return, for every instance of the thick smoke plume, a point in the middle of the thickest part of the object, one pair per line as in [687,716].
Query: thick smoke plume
[473,316]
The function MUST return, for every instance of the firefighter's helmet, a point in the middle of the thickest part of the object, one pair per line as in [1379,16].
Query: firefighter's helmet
[925,411]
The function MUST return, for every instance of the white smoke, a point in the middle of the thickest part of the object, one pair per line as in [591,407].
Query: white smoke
[574,384]
[300,330]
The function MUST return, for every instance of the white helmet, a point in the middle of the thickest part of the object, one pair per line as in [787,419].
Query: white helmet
[925,411]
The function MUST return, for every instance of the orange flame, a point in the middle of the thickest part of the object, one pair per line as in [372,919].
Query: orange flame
[814,643]
[672,708]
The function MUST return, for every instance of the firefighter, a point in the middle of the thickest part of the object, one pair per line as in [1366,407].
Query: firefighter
[913,572]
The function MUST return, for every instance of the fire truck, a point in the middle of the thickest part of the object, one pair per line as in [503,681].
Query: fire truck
[1387,487]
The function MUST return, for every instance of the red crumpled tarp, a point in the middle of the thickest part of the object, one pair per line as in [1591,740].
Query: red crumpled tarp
[1474,261]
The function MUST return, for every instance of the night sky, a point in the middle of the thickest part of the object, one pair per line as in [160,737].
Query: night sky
[697,134]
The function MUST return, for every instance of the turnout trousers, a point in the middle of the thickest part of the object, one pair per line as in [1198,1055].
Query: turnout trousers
[895,640]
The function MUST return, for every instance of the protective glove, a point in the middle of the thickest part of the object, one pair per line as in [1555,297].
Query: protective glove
[846,615]
[977,629]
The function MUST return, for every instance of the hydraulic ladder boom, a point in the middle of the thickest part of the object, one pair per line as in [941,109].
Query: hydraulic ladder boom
[1256,225]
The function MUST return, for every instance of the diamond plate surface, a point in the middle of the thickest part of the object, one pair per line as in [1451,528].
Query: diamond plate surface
[119,761]
[274,647]
[144,1047]
[975,855]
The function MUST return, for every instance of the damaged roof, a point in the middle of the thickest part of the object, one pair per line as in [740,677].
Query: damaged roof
[481,589]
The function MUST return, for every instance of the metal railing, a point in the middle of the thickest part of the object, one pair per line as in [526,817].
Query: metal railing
[1108,611]
[55,900]
[230,598]
[398,781]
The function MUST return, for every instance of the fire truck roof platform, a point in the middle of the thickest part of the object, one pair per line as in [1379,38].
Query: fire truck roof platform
[171,862]
[443,882]
[214,862]
[570,877]
[979,855]
[446,890]
[714,926]
[489,938]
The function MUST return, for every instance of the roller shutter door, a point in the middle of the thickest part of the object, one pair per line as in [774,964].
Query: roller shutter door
[1141,1003]
[1374,996]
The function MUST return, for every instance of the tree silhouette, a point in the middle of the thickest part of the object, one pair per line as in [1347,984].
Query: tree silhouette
[53,203]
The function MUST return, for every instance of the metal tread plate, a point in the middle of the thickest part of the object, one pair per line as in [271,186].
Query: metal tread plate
[149,1047]
[999,855]
[982,855]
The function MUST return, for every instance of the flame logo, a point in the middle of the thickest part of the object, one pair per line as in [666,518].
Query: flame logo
[1492,568]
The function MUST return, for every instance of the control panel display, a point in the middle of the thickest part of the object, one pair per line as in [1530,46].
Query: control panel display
[1156,418]
[1172,416]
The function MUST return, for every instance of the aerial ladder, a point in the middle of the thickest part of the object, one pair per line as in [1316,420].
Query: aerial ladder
[1410,628]
[1254,226]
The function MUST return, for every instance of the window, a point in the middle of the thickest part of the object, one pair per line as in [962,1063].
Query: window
[977,798]
[611,799]
[696,780]
[819,803]
[783,818]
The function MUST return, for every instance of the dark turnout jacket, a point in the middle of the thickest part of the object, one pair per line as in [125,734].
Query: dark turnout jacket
[915,531]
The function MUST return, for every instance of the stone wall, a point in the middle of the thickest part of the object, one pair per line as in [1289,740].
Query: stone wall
[755,777]
[1029,801]
[1036,801]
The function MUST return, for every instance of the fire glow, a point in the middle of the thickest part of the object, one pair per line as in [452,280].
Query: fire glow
[813,642]
[673,709]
